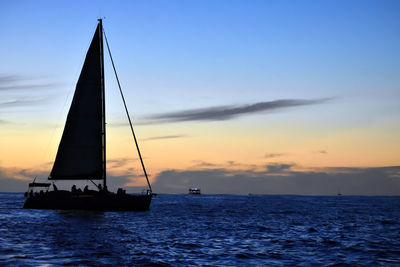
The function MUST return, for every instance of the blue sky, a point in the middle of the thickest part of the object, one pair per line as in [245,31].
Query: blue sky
[214,52]
[179,56]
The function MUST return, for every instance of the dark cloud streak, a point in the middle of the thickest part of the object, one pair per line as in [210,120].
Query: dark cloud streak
[11,78]
[22,103]
[26,86]
[219,113]
[17,82]
[273,155]
[164,137]
[278,167]
[119,162]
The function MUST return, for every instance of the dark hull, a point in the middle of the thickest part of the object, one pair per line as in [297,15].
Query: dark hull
[64,200]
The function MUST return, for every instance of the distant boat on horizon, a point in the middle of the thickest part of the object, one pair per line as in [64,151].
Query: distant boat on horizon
[81,153]
[194,191]
[339,193]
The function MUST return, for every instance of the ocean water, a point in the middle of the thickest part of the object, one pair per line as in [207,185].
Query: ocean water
[207,230]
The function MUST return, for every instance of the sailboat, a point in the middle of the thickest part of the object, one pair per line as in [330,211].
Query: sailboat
[81,153]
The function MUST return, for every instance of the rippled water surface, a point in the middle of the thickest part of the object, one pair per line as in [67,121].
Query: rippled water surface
[213,230]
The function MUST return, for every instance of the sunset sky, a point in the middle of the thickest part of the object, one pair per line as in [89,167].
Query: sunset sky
[281,97]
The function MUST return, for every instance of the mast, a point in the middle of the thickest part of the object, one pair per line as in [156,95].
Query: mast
[103,99]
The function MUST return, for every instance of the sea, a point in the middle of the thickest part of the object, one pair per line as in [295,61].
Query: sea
[207,230]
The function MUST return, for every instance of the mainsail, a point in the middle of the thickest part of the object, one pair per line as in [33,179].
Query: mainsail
[81,153]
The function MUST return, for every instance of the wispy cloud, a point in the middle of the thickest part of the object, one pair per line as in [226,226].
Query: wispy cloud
[22,103]
[218,113]
[11,78]
[18,82]
[26,86]
[22,91]
[278,167]
[273,155]
[119,162]
[201,163]
[164,137]
[230,164]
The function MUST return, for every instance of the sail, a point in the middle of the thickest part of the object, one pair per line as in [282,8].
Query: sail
[80,152]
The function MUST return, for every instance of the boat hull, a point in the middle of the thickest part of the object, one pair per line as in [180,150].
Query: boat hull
[64,200]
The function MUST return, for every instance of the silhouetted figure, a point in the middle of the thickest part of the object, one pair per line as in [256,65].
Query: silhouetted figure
[120,191]
[73,189]
[105,189]
[86,189]
[31,193]
[55,187]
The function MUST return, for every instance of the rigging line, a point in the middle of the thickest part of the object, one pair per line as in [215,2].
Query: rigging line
[95,184]
[127,113]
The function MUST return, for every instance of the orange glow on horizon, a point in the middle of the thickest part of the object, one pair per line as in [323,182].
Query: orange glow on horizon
[214,145]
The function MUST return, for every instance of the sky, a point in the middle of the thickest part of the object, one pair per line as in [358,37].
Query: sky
[266,97]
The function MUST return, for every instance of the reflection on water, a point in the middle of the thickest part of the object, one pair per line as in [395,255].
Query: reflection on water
[207,230]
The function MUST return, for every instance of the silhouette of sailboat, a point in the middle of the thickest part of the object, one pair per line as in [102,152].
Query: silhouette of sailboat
[81,153]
